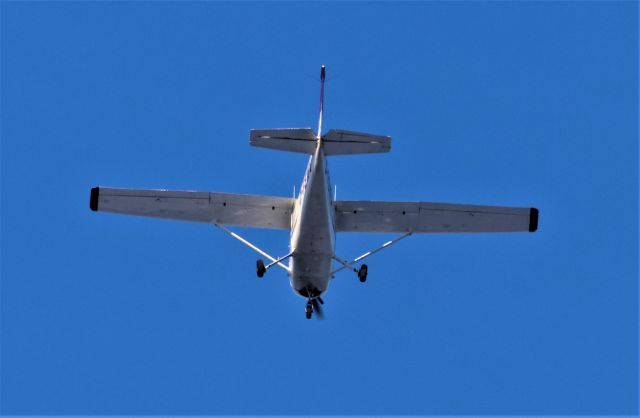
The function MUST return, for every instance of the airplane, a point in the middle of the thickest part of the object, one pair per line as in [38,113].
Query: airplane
[314,216]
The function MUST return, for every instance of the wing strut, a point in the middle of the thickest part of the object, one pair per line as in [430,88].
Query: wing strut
[274,261]
[349,264]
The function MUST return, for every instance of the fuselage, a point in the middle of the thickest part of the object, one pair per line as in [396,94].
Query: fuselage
[313,230]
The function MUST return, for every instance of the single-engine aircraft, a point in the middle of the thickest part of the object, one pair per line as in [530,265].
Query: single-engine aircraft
[314,216]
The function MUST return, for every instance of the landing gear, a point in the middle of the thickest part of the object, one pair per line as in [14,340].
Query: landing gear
[362,273]
[260,268]
[314,307]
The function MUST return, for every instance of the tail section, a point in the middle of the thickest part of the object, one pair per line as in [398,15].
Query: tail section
[305,141]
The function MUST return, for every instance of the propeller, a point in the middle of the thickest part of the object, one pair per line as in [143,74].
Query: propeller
[317,307]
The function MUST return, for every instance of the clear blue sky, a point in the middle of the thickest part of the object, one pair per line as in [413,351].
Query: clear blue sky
[506,103]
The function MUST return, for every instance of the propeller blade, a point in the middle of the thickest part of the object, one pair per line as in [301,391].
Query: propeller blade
[317,308]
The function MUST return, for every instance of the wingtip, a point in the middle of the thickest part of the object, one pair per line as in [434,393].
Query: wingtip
[533,219]
[93,200]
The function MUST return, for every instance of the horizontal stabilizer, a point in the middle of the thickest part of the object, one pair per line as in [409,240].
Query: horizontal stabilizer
[301,140]
[341,142]
[335,142]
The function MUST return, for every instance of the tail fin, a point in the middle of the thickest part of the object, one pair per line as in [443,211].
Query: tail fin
[322,75]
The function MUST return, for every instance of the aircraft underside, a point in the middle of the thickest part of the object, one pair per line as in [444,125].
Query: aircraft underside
[313,217]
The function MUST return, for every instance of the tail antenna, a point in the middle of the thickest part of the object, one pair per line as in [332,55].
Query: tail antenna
[322,75]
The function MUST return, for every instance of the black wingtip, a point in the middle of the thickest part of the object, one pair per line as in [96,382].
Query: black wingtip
[533,220]
[93,201]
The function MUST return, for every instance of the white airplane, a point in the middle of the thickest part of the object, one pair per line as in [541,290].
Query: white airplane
[314,217]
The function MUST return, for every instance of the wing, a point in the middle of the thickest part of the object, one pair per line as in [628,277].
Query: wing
[221,208]
[424,217]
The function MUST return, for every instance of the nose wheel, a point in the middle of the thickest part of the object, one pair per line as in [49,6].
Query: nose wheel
[308,310]
[314,305]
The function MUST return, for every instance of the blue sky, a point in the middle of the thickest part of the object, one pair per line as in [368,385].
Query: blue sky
[505,103]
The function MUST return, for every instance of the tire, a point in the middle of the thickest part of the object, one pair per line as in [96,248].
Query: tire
[260,268]
[362,273]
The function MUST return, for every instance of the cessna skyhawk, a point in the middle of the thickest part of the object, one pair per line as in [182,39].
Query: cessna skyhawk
[314,216]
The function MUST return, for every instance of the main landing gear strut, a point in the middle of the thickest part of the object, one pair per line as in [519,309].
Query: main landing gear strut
[261,268]
[364,269]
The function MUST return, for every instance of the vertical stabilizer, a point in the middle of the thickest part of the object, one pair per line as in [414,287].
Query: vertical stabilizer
[322,73]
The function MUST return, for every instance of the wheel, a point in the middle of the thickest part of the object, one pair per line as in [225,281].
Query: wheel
[362,273]
[260,268]
[308,310]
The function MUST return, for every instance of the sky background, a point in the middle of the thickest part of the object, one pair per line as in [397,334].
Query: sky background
[504,103]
